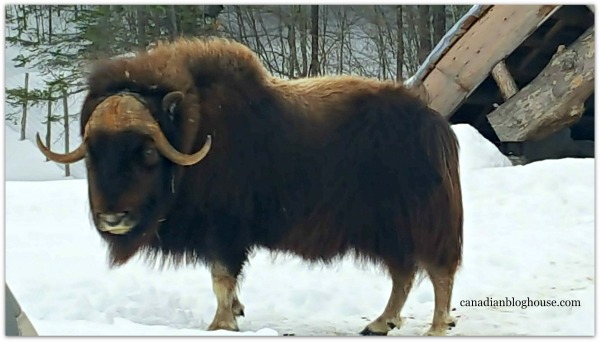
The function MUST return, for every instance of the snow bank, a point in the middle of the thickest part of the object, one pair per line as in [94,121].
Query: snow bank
[476,152]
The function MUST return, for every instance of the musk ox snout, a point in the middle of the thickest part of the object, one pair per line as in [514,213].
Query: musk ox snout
[115,223]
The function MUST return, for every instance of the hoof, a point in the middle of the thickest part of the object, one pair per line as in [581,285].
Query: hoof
[441,331]
[368,332]
[438,332]
[223,325]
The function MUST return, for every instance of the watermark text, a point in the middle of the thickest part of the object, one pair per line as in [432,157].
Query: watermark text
[522,303]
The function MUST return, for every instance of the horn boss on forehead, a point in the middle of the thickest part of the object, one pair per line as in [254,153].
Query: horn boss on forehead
[125,112]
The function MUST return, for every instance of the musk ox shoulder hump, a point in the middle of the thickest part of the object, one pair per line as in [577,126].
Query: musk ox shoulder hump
[179,65]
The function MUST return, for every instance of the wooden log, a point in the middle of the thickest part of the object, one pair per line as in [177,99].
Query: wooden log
[471,59]
[554,99]
[507,85]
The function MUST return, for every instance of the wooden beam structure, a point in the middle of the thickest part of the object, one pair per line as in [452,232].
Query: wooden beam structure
[471,58]
[505,81]
[554,99]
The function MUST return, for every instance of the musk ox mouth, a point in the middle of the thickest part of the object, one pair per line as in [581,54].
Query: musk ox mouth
[117,230]
[118,224]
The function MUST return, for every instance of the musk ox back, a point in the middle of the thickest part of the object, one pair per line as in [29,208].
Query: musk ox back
[196,154]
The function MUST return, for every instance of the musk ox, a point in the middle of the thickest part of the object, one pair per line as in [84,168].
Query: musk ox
[195,153]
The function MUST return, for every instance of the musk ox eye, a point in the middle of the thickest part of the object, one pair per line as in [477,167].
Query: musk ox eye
[150,155]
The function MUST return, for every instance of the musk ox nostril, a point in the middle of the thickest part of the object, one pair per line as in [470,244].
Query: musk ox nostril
[112,219]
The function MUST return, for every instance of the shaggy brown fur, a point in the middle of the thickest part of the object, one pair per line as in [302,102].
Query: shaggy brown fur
[319,167]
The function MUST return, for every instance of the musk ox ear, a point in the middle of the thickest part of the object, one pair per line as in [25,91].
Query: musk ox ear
[171,101]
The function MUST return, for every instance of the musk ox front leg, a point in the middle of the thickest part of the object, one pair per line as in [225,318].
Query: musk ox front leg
[402,281]
[228,305]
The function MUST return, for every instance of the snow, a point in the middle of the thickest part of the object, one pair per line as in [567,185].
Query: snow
[529,233]
[476,151]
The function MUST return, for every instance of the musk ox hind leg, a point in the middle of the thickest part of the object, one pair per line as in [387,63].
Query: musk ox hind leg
[228,305]
[442,280]
[402,281]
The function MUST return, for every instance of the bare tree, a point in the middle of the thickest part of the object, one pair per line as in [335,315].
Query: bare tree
[439,22]
[424,33]
[66,129]
[412,40]
[343,26]
[400,42]
[142,23]
[49,125]
[314,69]
[172,22]
[380,24]
[25,106]
[294,67]
[303,40]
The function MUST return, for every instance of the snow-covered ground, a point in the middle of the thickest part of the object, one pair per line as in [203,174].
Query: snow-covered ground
[529,233]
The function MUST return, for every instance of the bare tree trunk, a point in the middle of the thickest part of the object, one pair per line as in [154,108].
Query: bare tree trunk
[172,22]
[241,26]
[412,47]
[49,24]
[294,67]
[49,125]
[39,34]
[258,46]
[323,58]
[303,41]
[284,64]
[439,22]
[400,47]
[380,21]
[142,23]
[424,33]
[314,32]
[342,40]
[25,105]
[156,18]
[66,128]
[270,57]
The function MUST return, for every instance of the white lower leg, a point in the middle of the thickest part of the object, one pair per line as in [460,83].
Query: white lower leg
[224,287]
[390,318]
[442,288]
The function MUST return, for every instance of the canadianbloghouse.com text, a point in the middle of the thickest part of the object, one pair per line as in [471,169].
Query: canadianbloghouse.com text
[523,303]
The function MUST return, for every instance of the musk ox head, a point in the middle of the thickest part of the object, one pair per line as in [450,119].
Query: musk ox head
[129,163]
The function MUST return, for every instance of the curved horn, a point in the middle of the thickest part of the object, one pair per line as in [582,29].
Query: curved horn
[167,150]
[68,158]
